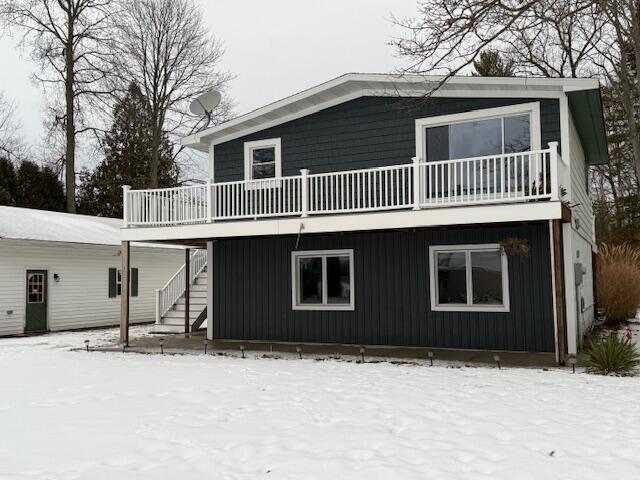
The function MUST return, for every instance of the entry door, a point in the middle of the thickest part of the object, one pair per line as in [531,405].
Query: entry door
[36,297]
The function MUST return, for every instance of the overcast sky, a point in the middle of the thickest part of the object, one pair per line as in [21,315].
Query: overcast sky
[273,48]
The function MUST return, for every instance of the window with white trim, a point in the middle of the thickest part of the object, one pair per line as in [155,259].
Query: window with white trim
[469,278]
[322,280]
[262,159]
[490,131]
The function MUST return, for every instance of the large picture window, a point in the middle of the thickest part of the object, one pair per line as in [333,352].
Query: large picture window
[469,277]
[490,131]
[322,280]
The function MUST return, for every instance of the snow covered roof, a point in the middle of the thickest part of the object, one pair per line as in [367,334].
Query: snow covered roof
[354,85]
[30,224]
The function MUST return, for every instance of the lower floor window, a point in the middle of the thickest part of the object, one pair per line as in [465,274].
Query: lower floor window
[322,280]
[469,277]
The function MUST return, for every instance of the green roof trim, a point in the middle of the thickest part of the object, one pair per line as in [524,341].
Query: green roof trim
[588,117]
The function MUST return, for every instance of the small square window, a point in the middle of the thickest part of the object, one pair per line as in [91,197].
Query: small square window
[322,280]
[469,278]
[262,159]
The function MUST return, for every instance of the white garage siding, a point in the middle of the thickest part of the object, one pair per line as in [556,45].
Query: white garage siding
[81,298]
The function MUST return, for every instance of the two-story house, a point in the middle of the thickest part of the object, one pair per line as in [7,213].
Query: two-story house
[367,211]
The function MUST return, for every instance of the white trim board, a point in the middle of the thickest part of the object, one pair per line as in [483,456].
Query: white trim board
[432,217]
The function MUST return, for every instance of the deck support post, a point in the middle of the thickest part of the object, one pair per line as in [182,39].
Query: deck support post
[304,192]
[210,289]
[416,183]
[187,285]
[558,277]
[124,293]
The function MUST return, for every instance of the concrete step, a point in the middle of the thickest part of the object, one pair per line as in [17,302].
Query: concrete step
[163,329]
[193,305]
[197,293]
[177,316]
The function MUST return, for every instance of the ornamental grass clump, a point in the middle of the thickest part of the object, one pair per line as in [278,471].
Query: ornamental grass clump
[612,356]
[618,282]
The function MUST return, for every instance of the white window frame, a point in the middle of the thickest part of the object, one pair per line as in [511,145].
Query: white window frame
[295,283]
[469,306]
[531,108]
[249,147]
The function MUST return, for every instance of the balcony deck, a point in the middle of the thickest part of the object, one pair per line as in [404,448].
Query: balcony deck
[499,180]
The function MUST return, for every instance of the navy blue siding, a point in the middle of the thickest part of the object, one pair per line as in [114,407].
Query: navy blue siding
[252,292]
[362,133]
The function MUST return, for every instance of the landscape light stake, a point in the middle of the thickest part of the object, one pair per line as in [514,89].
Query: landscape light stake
[496,358]
[299,350]
[242,350]
[572,359]
[206,342]
[161,346]
[86,344]
[430,355]
[362,353]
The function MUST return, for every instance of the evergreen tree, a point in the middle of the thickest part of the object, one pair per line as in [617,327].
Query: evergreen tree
[30,186]
[7,183]
[39,188]
[128,158]
[491,64]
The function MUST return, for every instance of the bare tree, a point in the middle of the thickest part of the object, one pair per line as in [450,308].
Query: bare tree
[70,40]
[166,48]
[548,38]
[543,37]
[12,145]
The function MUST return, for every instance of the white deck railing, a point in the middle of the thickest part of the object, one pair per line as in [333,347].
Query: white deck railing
[517,177]
[168,295]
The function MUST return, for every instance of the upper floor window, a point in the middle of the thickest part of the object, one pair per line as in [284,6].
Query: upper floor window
[262,159]
[479,133]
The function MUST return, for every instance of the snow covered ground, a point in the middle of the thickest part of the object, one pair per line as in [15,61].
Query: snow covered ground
[77,415]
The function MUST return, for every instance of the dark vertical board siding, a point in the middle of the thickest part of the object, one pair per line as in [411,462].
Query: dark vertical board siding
[392,300]
[362,133]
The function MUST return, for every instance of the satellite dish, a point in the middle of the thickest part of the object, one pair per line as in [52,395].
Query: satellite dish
[205,103]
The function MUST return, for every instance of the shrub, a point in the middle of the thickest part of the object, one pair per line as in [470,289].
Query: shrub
[612,355]
[618,281]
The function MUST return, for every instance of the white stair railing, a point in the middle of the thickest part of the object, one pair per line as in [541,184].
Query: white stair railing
[168,295]
[510,177]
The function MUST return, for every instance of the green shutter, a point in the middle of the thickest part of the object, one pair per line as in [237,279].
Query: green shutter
[112,282]
[134,282]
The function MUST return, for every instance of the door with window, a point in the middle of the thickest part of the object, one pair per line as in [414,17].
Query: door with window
[36,301]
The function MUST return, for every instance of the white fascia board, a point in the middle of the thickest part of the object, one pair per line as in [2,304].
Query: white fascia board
[351,86]
[434,217]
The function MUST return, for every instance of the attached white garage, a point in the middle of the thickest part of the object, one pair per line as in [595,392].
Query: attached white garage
[60,271]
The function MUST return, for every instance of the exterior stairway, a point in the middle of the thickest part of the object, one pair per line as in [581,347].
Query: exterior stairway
[170,300]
